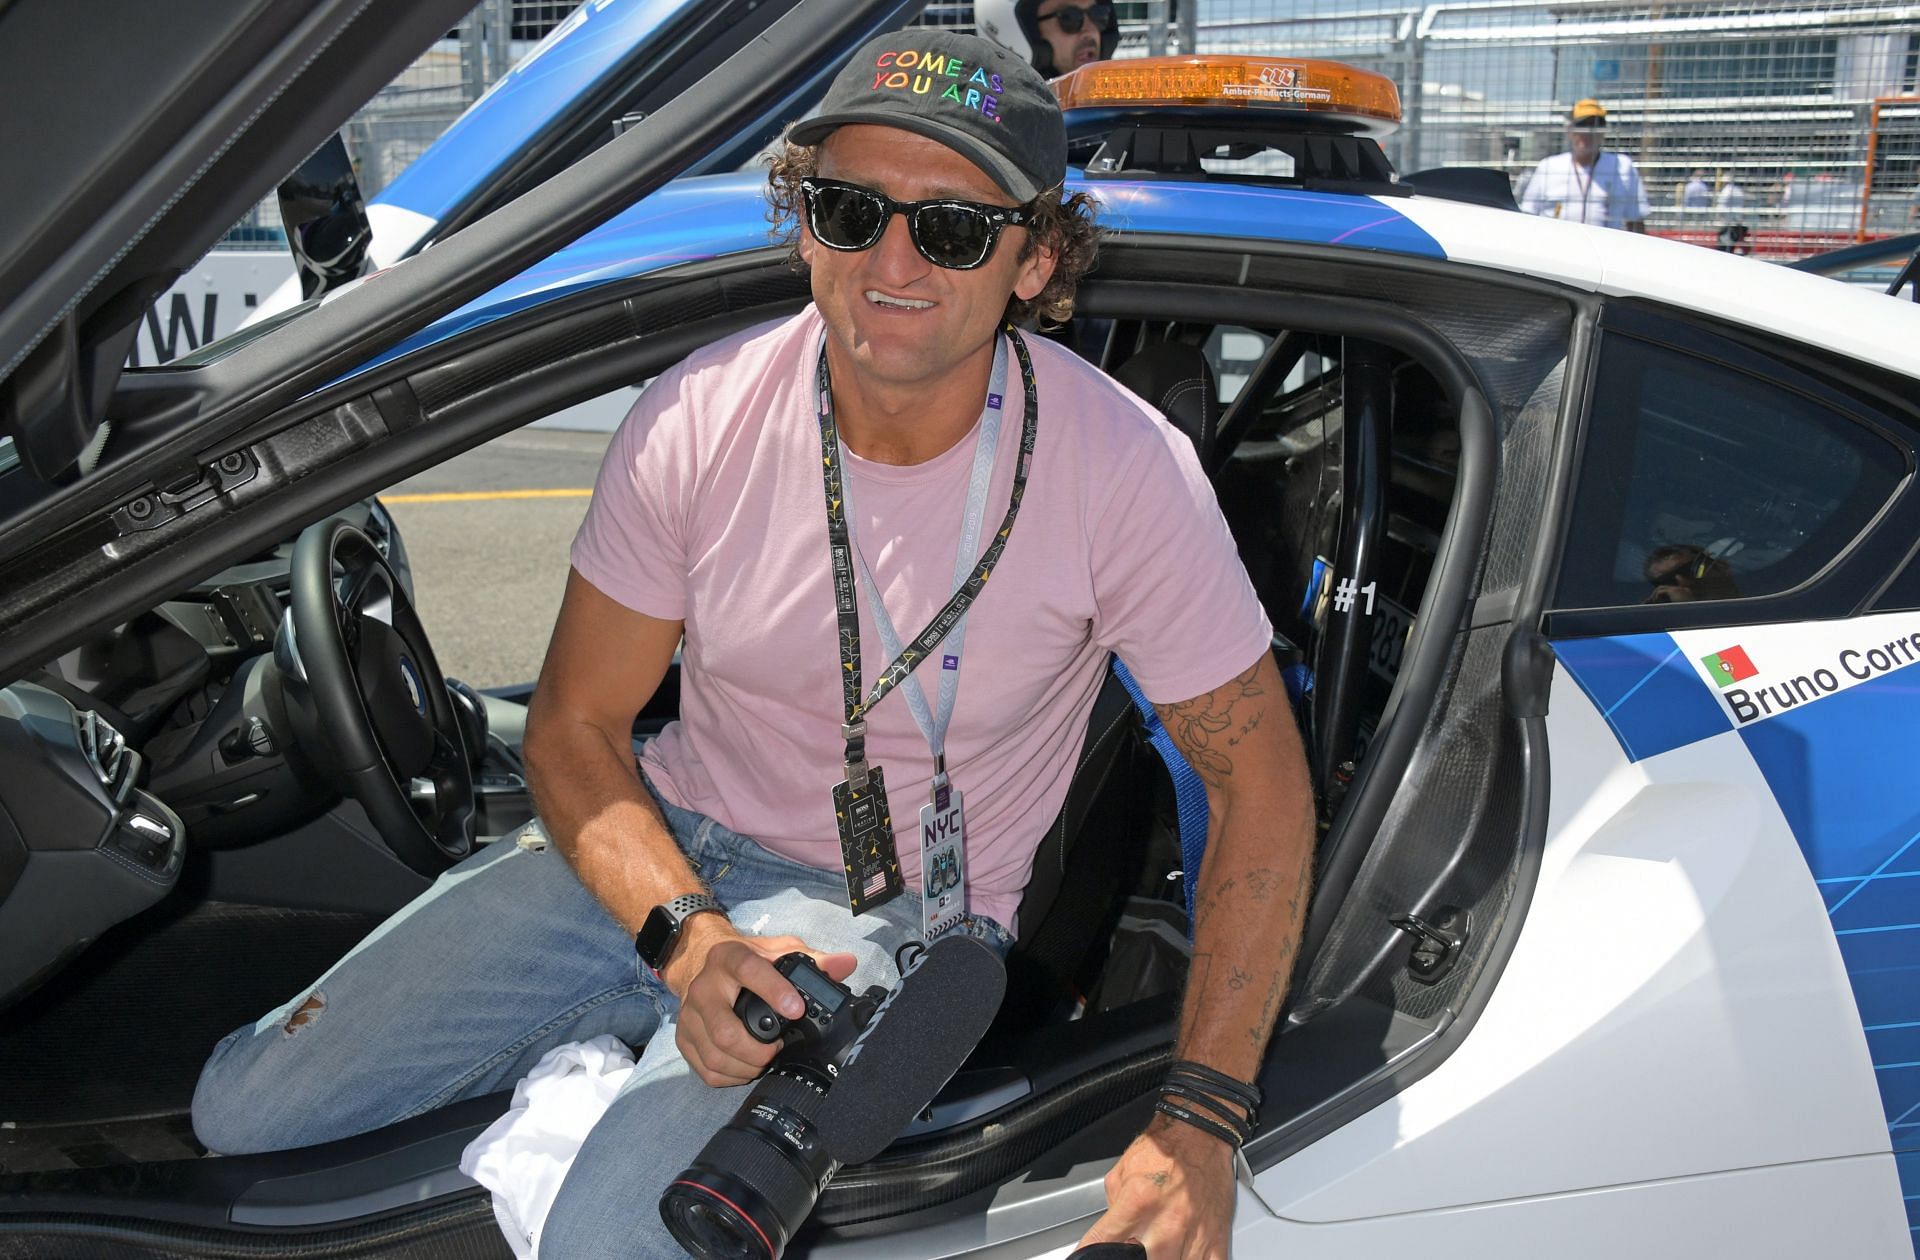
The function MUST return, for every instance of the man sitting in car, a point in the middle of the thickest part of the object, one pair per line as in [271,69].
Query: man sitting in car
[787,502]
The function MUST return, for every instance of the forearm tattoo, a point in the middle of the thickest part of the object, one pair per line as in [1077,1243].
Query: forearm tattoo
[1209,730]
[1260,887]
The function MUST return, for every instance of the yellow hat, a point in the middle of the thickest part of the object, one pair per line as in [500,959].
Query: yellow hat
[1588,113]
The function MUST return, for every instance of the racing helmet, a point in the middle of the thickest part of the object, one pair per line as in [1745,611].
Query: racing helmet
[1015,26]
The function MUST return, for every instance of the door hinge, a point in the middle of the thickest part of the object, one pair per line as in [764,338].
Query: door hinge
[180,492]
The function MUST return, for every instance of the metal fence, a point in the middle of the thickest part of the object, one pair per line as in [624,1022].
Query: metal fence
[1796,119]
[408,114]
[1799,119]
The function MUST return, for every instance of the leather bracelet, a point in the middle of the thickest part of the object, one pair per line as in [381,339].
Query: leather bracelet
[1221,1131]
[1215,1082]
[1242,1125]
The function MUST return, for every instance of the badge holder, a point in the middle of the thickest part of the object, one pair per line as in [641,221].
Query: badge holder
[866,829]
[943,857]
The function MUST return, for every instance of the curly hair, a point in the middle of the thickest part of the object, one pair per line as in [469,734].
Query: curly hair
[1060,220]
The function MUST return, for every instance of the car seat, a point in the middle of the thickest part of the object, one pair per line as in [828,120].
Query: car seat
[1177,380]
[1076,891]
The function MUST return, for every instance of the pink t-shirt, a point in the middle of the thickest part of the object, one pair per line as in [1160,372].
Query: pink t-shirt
[710,509]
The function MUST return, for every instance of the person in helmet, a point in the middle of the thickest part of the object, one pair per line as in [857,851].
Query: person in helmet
[1055,35]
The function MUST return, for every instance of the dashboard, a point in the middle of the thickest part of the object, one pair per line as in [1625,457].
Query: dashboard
[165,731]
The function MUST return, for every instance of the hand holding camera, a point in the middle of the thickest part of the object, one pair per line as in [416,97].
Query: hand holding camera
[715,1042]
[850,1073]
[819,1021]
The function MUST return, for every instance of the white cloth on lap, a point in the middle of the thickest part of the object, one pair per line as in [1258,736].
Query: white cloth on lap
[524,1155]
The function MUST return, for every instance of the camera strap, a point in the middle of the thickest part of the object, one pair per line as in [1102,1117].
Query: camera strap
[860,804]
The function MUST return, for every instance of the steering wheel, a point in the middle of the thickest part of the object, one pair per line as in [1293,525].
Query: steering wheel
[378,698]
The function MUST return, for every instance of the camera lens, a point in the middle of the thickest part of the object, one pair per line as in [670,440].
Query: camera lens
[714,1216]
[755,1180]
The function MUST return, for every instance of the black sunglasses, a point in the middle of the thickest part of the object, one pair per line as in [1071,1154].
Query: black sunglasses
[958,235]
[1072,19]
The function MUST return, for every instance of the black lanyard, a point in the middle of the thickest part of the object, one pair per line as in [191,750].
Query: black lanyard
[1586,187]
[846,606]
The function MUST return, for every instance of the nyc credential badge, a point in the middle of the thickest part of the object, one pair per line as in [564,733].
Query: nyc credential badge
[943,856]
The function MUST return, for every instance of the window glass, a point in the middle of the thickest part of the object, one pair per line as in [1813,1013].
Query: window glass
[1235,352]
[221,347]
[1701,482]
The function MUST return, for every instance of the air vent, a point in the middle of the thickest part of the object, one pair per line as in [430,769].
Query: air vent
[380,528]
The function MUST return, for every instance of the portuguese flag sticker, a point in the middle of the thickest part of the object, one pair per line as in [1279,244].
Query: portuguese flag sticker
[1729,665]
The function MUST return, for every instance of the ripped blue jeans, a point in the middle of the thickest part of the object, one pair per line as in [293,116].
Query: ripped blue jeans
[505,957]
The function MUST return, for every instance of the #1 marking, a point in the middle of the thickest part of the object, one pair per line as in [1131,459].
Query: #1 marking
[1344,596]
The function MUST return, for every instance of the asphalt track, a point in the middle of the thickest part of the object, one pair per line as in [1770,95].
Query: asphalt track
[487,534]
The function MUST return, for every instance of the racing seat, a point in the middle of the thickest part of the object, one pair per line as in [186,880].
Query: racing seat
[1076,892]
[1177,379]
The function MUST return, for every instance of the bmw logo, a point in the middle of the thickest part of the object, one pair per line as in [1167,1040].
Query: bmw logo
[414,691]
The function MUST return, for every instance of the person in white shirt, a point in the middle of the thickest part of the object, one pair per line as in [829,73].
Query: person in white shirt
[1585,184]
[1731,198]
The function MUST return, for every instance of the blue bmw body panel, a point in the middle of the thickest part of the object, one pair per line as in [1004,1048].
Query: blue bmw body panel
[1646,690]
[1838,766]
[574,57]
[1273,214]
[692,220]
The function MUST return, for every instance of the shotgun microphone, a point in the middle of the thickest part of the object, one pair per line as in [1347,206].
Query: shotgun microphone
[916,1041]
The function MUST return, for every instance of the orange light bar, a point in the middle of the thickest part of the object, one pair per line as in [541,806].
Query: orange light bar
[1289,83]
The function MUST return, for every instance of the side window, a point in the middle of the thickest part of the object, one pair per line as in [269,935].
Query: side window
[1700,482]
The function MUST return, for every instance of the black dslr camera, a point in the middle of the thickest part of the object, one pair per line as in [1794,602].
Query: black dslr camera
[755,1180]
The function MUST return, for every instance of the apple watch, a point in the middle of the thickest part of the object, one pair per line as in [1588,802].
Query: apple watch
[661,932]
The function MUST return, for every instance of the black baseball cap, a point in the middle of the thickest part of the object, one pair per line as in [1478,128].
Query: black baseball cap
[969,93]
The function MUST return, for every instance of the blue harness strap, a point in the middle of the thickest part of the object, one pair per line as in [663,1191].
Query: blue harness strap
[1189,793]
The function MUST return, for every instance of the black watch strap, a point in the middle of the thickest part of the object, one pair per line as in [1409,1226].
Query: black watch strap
[656,939]
[686,905]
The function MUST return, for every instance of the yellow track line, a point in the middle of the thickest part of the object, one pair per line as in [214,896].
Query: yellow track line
[481,496]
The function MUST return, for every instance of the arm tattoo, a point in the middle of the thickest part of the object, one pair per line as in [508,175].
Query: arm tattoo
[1257,1034]
[1206,727]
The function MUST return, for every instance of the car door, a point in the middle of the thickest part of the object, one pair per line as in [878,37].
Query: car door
[605,67]
[171,432]
[1723,942]
[129,155]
